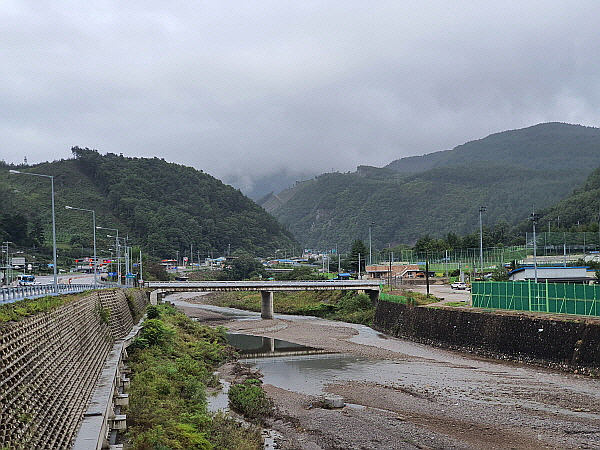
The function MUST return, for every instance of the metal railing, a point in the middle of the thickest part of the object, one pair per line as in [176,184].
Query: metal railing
[265,285]
[13,294]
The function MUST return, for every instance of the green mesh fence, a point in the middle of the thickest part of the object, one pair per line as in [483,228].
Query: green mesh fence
[580,299]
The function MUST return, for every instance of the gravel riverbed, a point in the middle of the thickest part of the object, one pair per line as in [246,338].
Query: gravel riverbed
[431,399]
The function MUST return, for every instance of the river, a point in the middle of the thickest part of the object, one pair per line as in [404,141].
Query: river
[404,395]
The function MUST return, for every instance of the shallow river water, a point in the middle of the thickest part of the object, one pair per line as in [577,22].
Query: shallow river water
[425,370]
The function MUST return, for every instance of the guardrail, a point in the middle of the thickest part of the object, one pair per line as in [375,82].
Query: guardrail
[13,294]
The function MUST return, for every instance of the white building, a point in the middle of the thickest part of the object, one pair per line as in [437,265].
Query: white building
[557,274]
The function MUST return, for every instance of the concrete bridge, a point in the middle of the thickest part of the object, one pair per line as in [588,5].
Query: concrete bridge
[266,288]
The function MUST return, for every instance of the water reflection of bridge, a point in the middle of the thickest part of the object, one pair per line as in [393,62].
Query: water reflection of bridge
[264,347]
[266,288]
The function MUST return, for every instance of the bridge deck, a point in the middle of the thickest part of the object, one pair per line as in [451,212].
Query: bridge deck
[264,285]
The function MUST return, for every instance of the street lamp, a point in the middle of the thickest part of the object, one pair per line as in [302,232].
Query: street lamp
[534,219]
[94,225]
[55,285]
[481,209]
[118,248]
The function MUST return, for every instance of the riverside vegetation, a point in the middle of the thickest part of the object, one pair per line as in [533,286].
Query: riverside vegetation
[172,362]
[345,306]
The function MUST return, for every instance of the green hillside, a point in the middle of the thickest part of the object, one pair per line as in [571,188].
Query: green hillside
[163,207]
[510,173]
[579,209]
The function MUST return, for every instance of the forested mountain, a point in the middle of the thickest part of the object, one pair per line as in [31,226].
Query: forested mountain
[511,173]
[163,207]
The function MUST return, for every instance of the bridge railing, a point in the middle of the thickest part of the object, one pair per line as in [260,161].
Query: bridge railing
[13,294]
[266,285]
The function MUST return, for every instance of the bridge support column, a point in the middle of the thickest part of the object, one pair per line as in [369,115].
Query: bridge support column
[266,310]
[154,296]
[373,295]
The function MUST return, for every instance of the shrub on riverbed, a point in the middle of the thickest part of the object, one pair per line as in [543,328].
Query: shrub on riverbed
[249,399]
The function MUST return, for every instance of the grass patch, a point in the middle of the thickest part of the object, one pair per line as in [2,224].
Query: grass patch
[409,298]
[172,363]
[21,309]
[456,304]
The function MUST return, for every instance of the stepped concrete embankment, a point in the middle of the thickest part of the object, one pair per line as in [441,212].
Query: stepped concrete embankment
[568,342]
[50,364]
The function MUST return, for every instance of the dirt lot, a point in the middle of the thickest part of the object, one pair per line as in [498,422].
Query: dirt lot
[438,399]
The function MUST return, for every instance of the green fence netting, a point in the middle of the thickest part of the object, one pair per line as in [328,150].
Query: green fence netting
[579,299]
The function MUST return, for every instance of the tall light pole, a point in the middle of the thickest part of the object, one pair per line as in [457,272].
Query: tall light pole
[481,210]
[55,284]
[94,227]
[534,219]
[6,263]
[370,246]
[118,249]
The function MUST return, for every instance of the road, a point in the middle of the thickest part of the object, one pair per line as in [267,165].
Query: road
[444,292]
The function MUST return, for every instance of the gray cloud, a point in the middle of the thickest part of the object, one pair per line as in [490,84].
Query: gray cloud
[249,88]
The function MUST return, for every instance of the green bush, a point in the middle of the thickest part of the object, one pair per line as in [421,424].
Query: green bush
[152,312]
[355,302]
[154,332]
[249,399]
[320,310]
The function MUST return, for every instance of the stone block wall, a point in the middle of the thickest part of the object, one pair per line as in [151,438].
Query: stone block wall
[567,341]
[50,363]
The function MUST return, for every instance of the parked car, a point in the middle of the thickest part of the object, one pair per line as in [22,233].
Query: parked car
[460,286]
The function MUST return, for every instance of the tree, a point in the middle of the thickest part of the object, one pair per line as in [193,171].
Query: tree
[358,252]
[245,267]
[300,273]
[500,274]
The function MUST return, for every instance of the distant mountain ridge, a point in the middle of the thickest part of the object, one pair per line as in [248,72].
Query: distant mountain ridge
[510,172]
[539,147]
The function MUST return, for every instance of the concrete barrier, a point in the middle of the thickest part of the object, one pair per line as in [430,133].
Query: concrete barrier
[572,342]
[50,364]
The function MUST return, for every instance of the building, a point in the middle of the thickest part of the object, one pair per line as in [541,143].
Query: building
[396,271]
[556,274]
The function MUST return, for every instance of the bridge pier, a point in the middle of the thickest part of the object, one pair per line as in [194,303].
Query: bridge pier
[154,296]
[373,295]
[266,309]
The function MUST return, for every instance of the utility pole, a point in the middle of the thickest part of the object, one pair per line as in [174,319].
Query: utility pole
[390,277]
[370,244]
[427,271]
[141,278]
[481,209]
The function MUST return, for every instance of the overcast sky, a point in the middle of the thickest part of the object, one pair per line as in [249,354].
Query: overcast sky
[250,87]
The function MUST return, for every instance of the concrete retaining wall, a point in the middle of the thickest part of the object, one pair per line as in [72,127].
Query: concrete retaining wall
[50,363]
[569,343]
